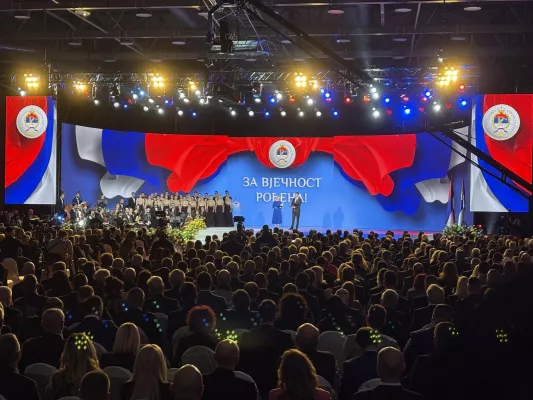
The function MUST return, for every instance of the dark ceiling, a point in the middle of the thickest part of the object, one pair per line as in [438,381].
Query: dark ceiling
[370,35]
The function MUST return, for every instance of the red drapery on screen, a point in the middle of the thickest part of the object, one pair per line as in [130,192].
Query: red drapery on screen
[369,159]
[21,151]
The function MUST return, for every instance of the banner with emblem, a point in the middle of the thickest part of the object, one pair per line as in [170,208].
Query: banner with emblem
[503,128]
[30,152]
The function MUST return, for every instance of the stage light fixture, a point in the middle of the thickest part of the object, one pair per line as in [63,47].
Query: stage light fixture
[436,107]
[141,93]
[194,114]
[272,100]
[314,84]
[22,93]
[347,100]
[366,98]
[300,81]
[407,111]
[145,108]
[257,100]
[310,102]
[375,113]
[318,114]
[283,113]
[116,104]
[201,101]
[387,99]
[32,81]
[186,100]
[251,113]
[375,96]
[427,93]
[405,99]
[462,87]
[301,114]
[421,109]
[335,10]
[402,8]
[449,75]
[161,111]
[22,15]
[472,7]
[424,99]
[233,113]
[151,101]
[180,113]
[135,96]
[125,106]
[335,113]
[463,102]
[143,14]
[448,105]
[267,114]
[373,89]
[279,95]
[327,95]
[96,102]
[158,81]
[389,112]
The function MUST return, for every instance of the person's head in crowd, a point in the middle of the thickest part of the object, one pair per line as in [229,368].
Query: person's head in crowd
[95,385]
[390,279]
[100,276]
[156,286]
[84,292]
[106,260]
[267,312]
[261,280]
[449,274]
[493,278]
[297,377]
[241,300]
[149,371]
[93,306]
[430,280]
[307,338]
[302,281]
[292,307]
[136,261]
[201,320]
[445,339]
[390,365]
[290,288]
[474,285]
[78,281]
[60,284]
[53,321]
[344,295]
[442,313]
[135,298]
[142,279]
[59,266]
[127,340]
[188,293]
[319,276]
[188,383]
[5,296]
[227,354]
[53,302]
[78,358]
[367,339]
[9,351]
[273,276]
[204,281]
[128,275]
[249,268]
[118,264]
[223,279]
[461,290]
[29,285]
[28,268]
[389,299]
[252,289]
[176,278]
[376,317]
[419,282]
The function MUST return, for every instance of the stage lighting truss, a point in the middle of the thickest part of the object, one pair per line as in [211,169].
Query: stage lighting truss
[157,82]
[32,81]
[447,76]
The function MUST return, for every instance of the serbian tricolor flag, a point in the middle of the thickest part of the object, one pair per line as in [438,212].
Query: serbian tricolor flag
[30,164]
[451,203]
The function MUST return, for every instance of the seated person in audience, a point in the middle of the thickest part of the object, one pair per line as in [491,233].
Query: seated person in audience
[265,343]
[178,318]
[48,347]
[390,368]
[14,385]
[12,317]
[240,317]
[360,369]
[125,348]
[338,317]
[422,300]
[390,281]
[421,341]
[292,312]
[129,276]
[422,316]
[74,313]
[323,361]
[188,383]
[302,282]
[263,293]
[376,319]
[176,278]
[71,299]
[95,385]
[418,286]
[149,380]
[223,383]
[206,297]
[32,327]
[31,303]
[223,286]
[144,320]
[201,321]
[158,302]
[78,358]
[397,325]
[297,379]
[99,330]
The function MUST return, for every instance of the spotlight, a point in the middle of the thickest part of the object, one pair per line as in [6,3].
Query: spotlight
[424,99]
[436,107]
[301,114]
[125,106]
[405,98]
[182,95]
[267,114]
[462,87]
[279,96]
[387,99]
[251,113]
[180,113]
[198,93]
[233,113]
[145,108]
[272,100]
[161,111]
[310,102]
[421,109]
[389,112]
[472,7]
[116,104]
[257,100]
[283,113]
[194,114]
[185,100]
[135,96]
[151,101]
[427,93]
[318,114]
[327,95]
[335,113]
[347,100]
[463,102]
[202,101]
[402,8]
[407,111]
[448,105]
[300,81]
[375,113]
[373,90]
[375,95]
[166,101]
[366,98]
[96,102]
[141,93]
[23,93]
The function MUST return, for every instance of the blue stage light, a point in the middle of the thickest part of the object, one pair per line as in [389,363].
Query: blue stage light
[407,111]
[427,93]
[194,114]
[125,106]
[327,95]
[335,113]
[322,91]
[166,101]
[387,99]
[141,93]
[272,100]
[267,114]
[463,102]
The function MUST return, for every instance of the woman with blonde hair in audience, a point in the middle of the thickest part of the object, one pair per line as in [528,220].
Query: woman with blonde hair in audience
[149,381]
[352,301]
[461,291]
[359,264]
[297,379]
[319,281]
[12,271]
[125,348]
[78,358]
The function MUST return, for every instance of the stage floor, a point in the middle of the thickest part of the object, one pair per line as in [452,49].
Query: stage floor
[220,231]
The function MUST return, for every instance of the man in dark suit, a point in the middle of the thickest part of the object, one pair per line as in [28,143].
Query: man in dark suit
[206,297]
[145,320]
[390,281]
[390,368]
[158,302]
[422,316]
[302,283]
[71,299]
[266,238]
[48,347]
[264,343]
[100,331]
[10,245]
[421,341]
[131,201]
[360,369]
[222,383]
[12,317]
[296,204]
[232,245]
[60,205]
[176,279]
[13,385]
[323,361]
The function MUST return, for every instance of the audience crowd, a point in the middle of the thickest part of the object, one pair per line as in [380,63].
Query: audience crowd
[280,315]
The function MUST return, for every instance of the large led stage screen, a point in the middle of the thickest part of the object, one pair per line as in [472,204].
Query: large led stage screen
[502,127]
[30,152]
[366,182]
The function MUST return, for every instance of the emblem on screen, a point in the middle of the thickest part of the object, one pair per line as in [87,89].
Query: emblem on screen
[32,122]
[282,154]
[501,122]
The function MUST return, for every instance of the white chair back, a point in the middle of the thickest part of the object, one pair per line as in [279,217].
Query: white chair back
[117,376]
[40,373]
[201,357]
[180,333]
[292,333]
[333,342]
[100,350]
[163,321]
[170,374]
